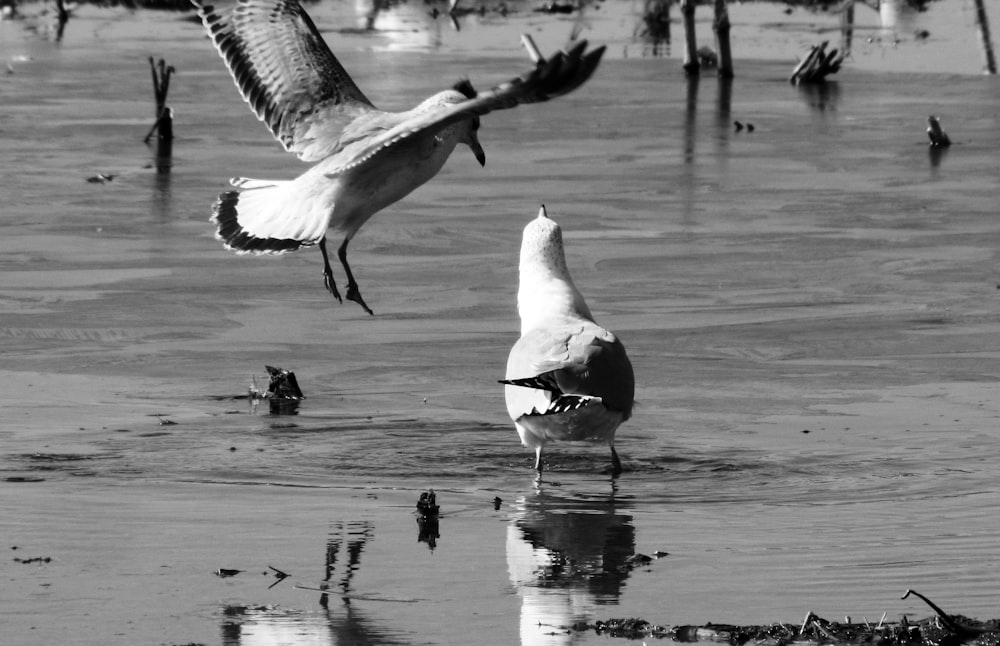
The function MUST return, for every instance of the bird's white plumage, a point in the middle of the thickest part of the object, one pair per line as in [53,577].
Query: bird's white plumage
[563,353]
[365,158]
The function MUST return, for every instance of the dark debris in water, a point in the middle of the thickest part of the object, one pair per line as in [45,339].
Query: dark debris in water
[940,629]
[427,522]
[224,573]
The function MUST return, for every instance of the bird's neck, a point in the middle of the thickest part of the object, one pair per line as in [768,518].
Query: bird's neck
[544,298]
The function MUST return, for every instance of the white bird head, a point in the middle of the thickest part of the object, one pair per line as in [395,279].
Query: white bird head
[546,290]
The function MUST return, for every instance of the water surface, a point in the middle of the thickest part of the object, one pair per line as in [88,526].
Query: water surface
[811,308]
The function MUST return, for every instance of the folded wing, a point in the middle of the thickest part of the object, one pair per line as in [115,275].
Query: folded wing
[584,360]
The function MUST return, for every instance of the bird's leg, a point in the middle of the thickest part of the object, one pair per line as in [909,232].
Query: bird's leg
[616,464]
[353,293]
[331,285]
[538,461]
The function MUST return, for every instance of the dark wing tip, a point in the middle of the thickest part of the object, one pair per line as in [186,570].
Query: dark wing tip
[465,87]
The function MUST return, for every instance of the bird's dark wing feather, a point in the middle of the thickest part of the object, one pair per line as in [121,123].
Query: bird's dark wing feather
[286,72]
[559,75]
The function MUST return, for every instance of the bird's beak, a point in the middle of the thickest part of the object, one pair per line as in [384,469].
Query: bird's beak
[542,213]
[477,149]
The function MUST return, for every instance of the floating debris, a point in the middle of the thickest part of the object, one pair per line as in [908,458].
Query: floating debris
[556,7]
[279,576]
[939,630]
[226,572]
[817,65]
[101,178]
[939,138]
[34,559]
[427,505]
[497,501]
[427,522]
[282,384]
[282,391]
[707,57]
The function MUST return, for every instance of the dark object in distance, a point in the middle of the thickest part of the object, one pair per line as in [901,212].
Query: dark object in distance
[817,65]
[939,138]
[427,522]
[283,385]
[226,572]
[427,505]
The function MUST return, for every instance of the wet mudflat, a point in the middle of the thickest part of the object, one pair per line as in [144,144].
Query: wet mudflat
[811,308]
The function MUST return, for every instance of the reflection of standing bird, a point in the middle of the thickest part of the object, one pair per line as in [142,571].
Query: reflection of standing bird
[567,377]
[365,159]
[567,555]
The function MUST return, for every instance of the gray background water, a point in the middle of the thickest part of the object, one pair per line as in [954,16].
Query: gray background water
[811,308]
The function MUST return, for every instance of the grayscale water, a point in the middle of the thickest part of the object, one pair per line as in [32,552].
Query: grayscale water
[812,309]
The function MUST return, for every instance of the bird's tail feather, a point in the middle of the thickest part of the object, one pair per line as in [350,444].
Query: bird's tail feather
[266,217]
[545,381]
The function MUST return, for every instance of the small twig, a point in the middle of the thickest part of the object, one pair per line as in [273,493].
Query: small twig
[805,622]
[823,631]
[529,44]
[278,573]
[355,597]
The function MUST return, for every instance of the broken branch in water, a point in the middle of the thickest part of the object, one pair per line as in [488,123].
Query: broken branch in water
[950,624]
[817,65]
[164,114]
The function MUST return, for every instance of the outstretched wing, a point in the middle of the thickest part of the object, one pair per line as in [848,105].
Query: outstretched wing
[559,75]
[285,72]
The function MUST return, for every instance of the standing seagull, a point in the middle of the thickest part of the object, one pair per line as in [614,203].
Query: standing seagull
[568,378]
[365,159]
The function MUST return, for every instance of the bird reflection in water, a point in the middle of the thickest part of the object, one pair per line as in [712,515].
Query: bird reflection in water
[566,555]
[334,624]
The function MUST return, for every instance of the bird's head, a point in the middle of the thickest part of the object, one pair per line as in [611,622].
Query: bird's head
[470,137]
[545,288]
[542,245]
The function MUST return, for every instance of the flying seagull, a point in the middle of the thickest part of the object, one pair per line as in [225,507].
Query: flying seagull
[568,378]
[364,159]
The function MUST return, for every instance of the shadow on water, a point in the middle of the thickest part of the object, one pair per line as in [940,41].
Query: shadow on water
[338,622]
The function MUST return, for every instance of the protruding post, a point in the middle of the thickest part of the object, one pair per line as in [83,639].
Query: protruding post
[847,28]
[721,27]
[164,115]
[691,64]
[984,36]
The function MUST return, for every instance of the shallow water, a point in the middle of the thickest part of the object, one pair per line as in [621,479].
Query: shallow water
[811,308]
